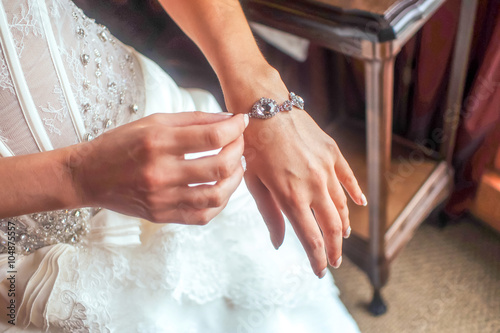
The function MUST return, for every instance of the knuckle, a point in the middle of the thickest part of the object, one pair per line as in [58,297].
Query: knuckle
[333,146]
[349,180]
[347,176]
[292,199]
[155,118]
[195,200]
[335,230]
[149,202]
[326,161]
[149,141]
[216,198]
[314,171]
[214,137]
[155,216]
[318,179]
[203,217]
[319,182]
[185,212]
[198,114]
[315,244]
[342,203]
[151,178]
[223,170]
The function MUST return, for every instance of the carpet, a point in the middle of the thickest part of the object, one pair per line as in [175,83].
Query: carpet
[444,280]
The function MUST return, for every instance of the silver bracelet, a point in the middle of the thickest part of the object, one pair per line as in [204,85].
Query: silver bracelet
[266,108]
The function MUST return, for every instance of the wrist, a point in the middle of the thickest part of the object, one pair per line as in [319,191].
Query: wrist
[73,164]
[242,88]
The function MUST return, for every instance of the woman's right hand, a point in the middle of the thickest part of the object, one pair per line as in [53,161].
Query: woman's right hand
[139,168]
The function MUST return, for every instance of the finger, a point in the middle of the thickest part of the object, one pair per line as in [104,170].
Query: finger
[211,196]
[338,197]
[211,168]
[309,234]
[331,225]
[189,118]
[198,138]
[185,214]
[349,181]
[269,210]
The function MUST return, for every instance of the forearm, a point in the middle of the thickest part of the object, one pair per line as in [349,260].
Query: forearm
[36,182]
[220,30]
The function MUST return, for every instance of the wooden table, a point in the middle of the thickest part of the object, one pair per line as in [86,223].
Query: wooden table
[404,181]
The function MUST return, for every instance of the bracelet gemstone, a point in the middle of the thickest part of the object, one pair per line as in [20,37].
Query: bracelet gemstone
[266,108]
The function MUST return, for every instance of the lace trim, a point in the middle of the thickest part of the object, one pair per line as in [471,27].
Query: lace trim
[54,117]
[5,80]
[74,321]
[84,289]
[26,23]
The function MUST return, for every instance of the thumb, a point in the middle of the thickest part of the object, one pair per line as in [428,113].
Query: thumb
[191,118]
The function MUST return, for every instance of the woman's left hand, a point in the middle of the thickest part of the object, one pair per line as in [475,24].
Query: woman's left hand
[293,167]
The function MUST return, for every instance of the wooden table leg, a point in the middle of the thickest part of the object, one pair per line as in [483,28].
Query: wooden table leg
[379,81]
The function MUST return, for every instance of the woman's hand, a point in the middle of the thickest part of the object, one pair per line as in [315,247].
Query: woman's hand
[139,168]
[293,166]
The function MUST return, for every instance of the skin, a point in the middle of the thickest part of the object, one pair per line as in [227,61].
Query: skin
[293,166]
[139,169]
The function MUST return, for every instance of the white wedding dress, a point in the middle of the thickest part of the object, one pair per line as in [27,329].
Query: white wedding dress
[64,79]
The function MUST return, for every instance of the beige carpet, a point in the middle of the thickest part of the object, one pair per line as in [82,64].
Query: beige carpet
[444,281]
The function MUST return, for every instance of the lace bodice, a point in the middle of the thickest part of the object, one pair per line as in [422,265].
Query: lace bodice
[63,79]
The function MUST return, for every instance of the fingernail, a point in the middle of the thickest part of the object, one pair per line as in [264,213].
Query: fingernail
[243,163]
[363,200]
[226,113]
[347,232]
[246,119]
[337,263]
[323,273]
[275,244]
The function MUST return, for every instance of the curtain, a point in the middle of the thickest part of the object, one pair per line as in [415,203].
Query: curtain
[478,133]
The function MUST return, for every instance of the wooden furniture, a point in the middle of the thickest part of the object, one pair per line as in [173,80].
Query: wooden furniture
[404,182]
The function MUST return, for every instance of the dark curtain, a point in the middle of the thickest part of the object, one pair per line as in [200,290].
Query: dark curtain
[479,128]
[478,136]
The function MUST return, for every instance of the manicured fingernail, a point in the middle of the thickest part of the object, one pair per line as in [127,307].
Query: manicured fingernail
[275,243]
[363,200]
[347,233]
[337,263]
[243,163]
[323,273]
[246,119]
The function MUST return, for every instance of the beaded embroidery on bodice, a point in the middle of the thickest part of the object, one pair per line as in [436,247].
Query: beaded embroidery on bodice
[63,79]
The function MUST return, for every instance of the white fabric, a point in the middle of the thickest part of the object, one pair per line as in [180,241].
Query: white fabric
[130,275]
